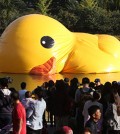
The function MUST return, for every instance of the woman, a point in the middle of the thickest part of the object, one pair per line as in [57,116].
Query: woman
[35,113]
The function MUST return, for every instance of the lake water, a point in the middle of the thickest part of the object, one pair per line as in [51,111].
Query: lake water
[34,80]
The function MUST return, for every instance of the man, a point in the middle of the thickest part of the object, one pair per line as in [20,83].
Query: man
[95,115]
[98,85]
[19,115]
[5,104]
[81,96]
[35,113]
[22,91]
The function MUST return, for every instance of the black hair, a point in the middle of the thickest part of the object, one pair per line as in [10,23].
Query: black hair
[92,85]
[15,95]
[39,92]
[85,80]
[51,83]
[12,89]
[28,94]
[96,95]
[93,109]
[66,79]
[23,85]
[4,82]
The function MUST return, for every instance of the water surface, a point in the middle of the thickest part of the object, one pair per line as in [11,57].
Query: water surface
[34,80]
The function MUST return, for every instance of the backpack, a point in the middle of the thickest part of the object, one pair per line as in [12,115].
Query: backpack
[109,120]
[84,96]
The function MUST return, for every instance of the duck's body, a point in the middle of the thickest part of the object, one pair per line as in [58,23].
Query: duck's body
[38,44]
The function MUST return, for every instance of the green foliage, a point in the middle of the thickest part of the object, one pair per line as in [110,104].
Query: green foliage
[68,19]
[43,6]
[8,13]
[93,16]
[89,4]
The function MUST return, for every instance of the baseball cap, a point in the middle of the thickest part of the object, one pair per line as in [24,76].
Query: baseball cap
[97,80]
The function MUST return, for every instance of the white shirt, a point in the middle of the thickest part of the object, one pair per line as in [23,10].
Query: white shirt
[116,117]
[35,114]
[6,91]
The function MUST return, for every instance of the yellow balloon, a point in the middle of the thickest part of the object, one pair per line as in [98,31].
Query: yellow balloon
[41,45]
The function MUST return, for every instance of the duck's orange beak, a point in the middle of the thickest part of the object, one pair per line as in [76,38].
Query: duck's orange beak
[46,69]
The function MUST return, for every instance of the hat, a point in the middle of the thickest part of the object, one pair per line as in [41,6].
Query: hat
[97,80]
[67,130]
[85,80]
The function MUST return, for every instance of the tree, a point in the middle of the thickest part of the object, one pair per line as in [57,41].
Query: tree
[8,13]
[44,6]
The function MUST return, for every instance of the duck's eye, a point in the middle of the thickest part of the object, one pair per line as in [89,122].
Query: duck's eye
[47,42]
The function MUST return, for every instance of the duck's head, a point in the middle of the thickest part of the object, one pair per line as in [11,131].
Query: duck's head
[35,44]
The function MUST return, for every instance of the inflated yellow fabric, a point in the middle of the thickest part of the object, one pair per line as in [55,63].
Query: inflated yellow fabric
[21,50]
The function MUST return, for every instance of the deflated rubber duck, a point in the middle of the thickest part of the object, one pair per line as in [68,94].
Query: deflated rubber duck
[41,45]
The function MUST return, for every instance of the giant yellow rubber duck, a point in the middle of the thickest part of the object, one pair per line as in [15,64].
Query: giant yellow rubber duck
[41,45]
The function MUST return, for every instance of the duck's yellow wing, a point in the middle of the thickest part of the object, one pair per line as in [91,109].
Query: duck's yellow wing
[94,54]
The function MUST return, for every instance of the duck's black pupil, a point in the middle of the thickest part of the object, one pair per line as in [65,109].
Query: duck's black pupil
[47,42]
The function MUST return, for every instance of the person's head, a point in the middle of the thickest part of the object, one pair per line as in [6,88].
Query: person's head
[64,130]
[96,95]
[45,85]
[74,82]
[85,81]
[38,92]
[87,131]
[60,84]
[92,85]
[66,80]
[97,82]
[51,83]
[15,96]
[23,85]
[28,94]
[94,112]
[3,82]
[12,89]
[114,84]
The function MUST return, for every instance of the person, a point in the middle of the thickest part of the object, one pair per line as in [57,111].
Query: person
[49,101]
[93,101]
[28,101]
[87,131]
[81,96]
[62,104]
[18,115]
[35,113]
[64,130]
[67,80]
[98,85]
[113,114]
[95,115]
[22,91]
[5,104]
[74,83]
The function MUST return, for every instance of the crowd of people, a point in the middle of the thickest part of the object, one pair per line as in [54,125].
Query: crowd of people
[70,106]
